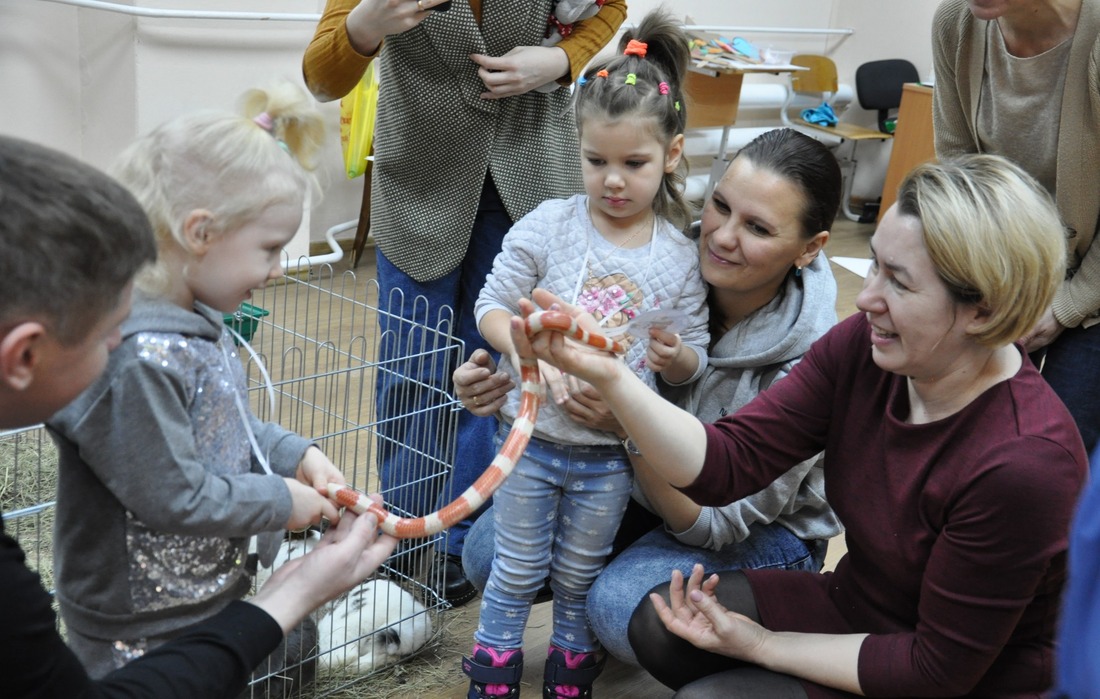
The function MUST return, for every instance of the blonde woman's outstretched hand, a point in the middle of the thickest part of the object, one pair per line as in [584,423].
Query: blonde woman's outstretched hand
[694,615]
[593,366]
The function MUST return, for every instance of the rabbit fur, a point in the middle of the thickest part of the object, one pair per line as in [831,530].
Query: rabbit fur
[373,625]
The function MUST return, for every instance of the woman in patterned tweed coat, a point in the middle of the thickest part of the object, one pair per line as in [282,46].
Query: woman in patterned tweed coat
[464,146]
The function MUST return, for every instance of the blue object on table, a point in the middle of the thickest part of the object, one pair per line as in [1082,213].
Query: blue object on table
[745,48]
[822,115]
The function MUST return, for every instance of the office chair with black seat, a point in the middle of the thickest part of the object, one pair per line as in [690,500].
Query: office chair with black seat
[878,87]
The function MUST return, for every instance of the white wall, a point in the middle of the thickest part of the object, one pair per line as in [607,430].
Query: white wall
[89,81]
[880,30]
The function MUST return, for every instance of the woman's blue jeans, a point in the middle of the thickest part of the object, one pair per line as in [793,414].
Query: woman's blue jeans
[556,515]
[650,561]
[414,376]
[1072,368]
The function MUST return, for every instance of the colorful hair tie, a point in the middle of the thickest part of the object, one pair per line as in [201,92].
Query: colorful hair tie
[264,121]
[582,80]
[662,87]
[635,48]
[602,74]
[631,79]
[677,105]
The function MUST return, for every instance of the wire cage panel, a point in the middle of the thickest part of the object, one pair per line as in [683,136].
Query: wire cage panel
[366,379]
[28,484]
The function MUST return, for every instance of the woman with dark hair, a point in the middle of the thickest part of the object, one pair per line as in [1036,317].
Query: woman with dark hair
[771,294]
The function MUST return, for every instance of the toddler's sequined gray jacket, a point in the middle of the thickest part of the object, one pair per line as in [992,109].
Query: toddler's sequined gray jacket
[158,489]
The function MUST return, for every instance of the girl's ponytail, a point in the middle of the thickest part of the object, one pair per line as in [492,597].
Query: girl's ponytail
[292,118]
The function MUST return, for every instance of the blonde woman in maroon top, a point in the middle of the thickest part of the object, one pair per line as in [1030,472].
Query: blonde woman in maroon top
[951,462]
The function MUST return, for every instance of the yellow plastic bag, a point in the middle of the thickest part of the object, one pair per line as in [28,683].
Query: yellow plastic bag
[357,110]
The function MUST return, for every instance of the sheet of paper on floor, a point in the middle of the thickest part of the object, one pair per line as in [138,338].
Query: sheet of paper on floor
[856,265]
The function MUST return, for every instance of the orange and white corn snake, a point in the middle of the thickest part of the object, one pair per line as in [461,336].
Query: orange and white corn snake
[504,462]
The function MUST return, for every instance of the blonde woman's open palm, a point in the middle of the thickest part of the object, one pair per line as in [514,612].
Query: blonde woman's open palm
[695,615]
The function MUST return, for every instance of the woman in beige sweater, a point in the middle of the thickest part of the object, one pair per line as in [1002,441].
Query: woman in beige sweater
[469,137]
[1018,78]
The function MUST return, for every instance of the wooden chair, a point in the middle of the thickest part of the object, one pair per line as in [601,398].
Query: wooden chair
[362,231]
[819,76]
[820,82]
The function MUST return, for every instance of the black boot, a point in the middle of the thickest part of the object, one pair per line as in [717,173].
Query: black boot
[457,589]
[442,572]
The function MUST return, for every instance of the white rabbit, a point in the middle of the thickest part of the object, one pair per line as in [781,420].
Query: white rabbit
[374,625]
[295,546]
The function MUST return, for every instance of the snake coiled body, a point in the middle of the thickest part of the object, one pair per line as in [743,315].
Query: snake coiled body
[505,461]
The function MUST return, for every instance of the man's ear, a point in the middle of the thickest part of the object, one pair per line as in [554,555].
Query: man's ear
[20,352]
[198,232]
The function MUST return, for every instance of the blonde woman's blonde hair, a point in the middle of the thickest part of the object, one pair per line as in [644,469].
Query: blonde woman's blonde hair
[994,236]
[232,165]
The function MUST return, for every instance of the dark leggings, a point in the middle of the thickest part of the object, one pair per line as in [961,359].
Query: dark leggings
[696,673]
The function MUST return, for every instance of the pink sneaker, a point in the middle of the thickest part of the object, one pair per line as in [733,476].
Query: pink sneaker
[569,674]
[494,673]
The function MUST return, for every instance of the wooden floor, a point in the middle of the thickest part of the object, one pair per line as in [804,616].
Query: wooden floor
[618,680]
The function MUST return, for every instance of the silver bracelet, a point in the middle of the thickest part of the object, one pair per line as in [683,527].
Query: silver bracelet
[631,447]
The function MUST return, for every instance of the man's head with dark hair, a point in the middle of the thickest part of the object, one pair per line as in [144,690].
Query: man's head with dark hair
[71,241]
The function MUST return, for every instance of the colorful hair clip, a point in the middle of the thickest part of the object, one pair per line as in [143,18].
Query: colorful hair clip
[602,74]
[631,79]
[264,121]
[662,87]
[635,48]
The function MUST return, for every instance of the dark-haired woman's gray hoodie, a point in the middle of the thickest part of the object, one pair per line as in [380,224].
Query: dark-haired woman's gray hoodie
[746,360]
